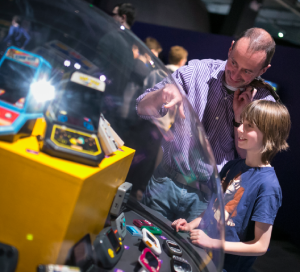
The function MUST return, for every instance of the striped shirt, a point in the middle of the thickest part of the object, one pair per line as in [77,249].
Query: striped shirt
[201,80]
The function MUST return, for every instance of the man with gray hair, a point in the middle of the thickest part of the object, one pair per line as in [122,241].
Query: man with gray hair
[218,92]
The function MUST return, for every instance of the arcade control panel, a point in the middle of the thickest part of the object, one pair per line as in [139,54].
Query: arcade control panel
[139,248]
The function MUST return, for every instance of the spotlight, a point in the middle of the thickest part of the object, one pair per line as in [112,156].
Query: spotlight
[102,78]
[67,63]
[77,66]
[42,91]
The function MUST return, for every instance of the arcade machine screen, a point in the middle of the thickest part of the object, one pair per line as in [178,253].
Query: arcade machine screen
[78,106]
[72,120]
[15,80]
[24,91]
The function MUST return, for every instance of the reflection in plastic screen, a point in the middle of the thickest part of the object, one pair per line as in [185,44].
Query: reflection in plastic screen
[126,197]
[105,53]
[74,140]
[113,240]
[42,91]
[152,261]
[80,252]
[67,63]
[15,80]
[102,78]
[182,267]
[77,66]
[174,246]
[273,84]
[79,101]
[151,238]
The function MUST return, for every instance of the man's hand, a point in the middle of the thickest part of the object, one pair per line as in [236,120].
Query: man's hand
[171,97]
[199,238]
[242,100]
[181,224]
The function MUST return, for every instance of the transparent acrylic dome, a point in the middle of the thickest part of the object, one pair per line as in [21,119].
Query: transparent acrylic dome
[173,172]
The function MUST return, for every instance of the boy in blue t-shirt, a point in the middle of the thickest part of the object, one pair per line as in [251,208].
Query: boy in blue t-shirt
[252,193]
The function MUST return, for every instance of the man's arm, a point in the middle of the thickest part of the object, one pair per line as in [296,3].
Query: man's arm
[256,247]
[167,95]
[151,104]
[153,101]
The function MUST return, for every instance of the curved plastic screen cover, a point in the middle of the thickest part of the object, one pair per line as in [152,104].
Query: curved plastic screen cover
[97,66]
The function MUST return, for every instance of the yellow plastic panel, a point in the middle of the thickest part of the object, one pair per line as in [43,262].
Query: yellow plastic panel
[48,203]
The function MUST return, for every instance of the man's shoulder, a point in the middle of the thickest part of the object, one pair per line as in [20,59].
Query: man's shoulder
[205,68]
[207,63]
[264,94]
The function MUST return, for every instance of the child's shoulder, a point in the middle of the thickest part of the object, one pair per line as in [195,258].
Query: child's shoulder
[269,183]
[233,164]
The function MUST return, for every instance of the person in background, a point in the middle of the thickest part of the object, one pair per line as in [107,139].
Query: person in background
[17,35]
[156,75]
[177,58]
[153,45]
[117,65]
[124,14]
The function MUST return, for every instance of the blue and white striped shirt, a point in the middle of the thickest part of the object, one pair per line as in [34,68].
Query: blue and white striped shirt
[201,80]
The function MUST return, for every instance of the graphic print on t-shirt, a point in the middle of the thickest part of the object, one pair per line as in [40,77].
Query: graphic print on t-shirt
[233,194]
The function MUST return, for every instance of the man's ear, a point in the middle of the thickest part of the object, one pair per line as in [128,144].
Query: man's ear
[230,48]
[124,19]
[264,69]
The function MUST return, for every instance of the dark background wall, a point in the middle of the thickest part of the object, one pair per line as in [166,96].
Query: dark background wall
[285,71]
[187,14]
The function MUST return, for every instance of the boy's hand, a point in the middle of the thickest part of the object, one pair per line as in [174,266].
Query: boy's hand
[199,238]
[181,224]
[242,100]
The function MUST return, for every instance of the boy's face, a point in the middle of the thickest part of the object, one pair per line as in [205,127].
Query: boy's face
[250,137]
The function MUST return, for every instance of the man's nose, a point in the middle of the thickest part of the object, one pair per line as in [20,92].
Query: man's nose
[235,74]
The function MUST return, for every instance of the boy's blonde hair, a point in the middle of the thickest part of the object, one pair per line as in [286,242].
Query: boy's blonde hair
[273,120]
[176,54]
[153,44]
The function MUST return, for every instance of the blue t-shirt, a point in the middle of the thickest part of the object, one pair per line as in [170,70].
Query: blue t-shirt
[250,195]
